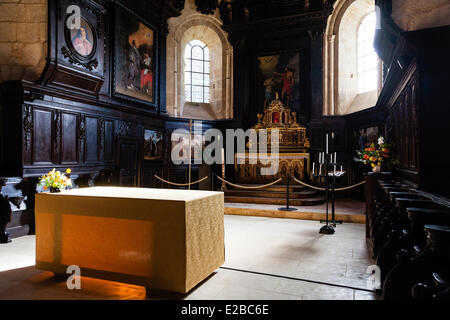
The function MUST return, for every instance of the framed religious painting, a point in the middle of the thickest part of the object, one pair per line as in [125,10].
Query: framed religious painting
[76,41]
[135,58]
[153,144]
[278,75]
[81,40]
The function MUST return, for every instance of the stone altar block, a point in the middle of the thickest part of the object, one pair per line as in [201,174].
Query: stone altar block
[158,238]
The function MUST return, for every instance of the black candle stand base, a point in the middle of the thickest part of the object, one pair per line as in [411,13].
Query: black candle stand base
[333,223]
[287,209]
[326,230]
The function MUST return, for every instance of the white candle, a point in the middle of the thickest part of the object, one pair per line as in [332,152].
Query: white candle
[335,157]
[313,168]
[331,158]
[327,143]
[320,169]
[320,157]
[223,156]
[323,157]
[341,168]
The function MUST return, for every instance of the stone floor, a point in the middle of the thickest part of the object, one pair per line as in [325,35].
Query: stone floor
[266,258]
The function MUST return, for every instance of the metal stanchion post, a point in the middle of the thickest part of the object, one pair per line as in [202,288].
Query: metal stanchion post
[287,208]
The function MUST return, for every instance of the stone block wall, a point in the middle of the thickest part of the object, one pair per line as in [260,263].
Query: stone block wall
[412,15]
[23,39]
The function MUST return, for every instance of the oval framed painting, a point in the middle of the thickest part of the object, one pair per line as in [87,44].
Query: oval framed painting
[82,42]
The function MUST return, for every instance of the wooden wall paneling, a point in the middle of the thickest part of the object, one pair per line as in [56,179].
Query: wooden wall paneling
[315,137]
[42,136]
[405,127]
[56,136]
[148,177]
[27,134]
[81,137]
[180,174]
[128,156]
[92,140]
[69,145]
[108,150]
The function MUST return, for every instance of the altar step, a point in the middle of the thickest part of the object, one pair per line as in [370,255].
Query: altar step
[274,187]
[276,195]
[311,201]
[293,193]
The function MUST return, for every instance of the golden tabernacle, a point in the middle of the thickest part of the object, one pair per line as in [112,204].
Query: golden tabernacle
[292,145]
[158,238]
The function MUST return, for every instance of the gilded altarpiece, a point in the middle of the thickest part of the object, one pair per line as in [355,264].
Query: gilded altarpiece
[293,145]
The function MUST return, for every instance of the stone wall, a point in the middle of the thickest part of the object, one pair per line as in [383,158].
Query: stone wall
[23,39]
[340,56]
[412,15]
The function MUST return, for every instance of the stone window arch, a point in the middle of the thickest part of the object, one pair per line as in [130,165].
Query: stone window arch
[193,26]
[345,82]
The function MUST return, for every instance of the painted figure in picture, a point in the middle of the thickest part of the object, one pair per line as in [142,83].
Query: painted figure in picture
[287,78]
[146,75]
[268,88]
[362,139]
[134,66]
[279,73]
[81,42]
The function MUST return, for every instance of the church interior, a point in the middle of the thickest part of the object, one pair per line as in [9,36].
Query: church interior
[343,196]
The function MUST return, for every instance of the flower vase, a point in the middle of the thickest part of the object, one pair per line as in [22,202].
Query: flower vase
[54,190]
[376,169]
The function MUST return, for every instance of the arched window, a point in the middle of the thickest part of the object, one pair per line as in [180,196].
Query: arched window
[196,68]
[367,58]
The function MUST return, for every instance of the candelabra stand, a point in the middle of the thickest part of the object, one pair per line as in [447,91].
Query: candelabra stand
[327,178]
[332,185]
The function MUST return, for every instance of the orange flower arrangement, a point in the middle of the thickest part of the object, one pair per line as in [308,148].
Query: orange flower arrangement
[376,155]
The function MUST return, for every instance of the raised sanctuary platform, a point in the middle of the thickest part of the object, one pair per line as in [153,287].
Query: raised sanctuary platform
[275,195]
[347,210]
[159,238]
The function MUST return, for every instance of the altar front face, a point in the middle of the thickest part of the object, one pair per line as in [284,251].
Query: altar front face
[159,238]
[249,171]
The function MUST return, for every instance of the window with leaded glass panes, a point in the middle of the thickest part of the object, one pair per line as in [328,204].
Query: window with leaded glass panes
[367,58]
[196,72]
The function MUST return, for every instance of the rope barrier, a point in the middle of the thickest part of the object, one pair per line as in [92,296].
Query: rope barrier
[255,187]
[181,184]
[308,185]
[349,187]
[323,189]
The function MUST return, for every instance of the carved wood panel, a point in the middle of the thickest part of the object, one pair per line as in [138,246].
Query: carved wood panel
[402,126]
[108,141]
[42,137]
[54,137]
[69,151]
[128,161]
[92,138]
